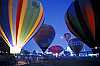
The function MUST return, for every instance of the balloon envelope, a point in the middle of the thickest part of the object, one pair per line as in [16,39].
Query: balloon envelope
[19,20]
[55,49]
[83,20]
[76,45]
[44,36]
[67,36]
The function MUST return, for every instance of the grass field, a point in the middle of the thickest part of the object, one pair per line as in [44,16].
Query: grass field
[65,61]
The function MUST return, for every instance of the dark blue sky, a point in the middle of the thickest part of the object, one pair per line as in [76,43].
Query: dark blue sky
[54,15]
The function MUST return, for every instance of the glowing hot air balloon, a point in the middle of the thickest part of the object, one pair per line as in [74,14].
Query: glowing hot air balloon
[83,20]
[19,20]
[44,36]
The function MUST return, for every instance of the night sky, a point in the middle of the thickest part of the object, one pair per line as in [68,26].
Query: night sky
[54,11]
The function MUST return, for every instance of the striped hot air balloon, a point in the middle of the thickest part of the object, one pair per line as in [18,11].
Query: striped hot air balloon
[19,20]
[83,20]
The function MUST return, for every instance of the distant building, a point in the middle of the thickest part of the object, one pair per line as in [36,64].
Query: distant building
[4,48]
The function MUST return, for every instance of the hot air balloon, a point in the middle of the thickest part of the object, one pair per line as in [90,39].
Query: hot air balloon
[19,21]
[67,36]
[83,20]
[44,36]
[76,45]
[55,49]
